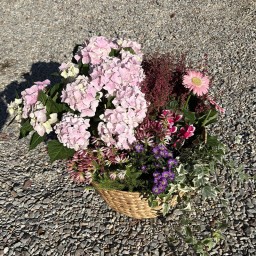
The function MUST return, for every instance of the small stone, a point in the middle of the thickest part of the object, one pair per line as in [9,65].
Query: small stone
[13,193]
[96,249]
[27,184]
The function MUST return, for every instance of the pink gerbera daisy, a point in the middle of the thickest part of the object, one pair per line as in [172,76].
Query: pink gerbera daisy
[196,82]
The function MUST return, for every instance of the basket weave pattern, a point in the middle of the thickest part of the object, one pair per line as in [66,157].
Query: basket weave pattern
[131,204]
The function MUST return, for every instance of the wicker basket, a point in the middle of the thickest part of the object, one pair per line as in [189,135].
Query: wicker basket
[131,204]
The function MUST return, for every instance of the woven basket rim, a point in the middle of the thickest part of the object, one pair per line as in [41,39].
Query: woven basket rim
[95,184]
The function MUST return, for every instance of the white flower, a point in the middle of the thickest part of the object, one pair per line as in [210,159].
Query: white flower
[15,109]
[69,70]
[47,126]
[53,118]
[121,174]
[18,101]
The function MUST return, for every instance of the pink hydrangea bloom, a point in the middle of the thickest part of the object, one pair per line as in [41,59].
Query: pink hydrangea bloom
[72,131]
[39,121]
[118,124]
[197,82]
[136,47]
[81,95]
[132,99]
[114,73]
[96,50]
[38,117]
[30,95]
[120,77]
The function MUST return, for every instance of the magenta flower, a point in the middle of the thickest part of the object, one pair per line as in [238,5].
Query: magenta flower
[187,131]
[196,82]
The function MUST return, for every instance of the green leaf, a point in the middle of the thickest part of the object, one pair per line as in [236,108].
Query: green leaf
[35,140]
[154,203]
[189,116]
[217,235]
[57,150]
[188,231]
[85,69]
[113,53]
[212,141]
[208,192]
[16,94]
[52,106]
[109,102]
[129,49]
[210,118]
[42,97]
[208,242]
[166,208]
[173,105]
[55,74]
[55,88]
[25,129]
[88,187]
[188,207]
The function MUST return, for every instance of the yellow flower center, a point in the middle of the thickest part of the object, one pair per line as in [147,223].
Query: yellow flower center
[196,81]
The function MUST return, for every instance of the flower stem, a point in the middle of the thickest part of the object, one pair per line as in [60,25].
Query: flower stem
[186,105]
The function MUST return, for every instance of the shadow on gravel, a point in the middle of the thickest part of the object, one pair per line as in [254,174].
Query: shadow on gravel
[39,72]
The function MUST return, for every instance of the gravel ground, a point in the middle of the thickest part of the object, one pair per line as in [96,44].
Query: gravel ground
[41,211]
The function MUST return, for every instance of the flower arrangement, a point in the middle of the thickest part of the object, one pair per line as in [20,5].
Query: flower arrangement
[127,122]
[130,123]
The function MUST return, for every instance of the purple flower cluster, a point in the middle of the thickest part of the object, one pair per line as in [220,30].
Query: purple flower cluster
[161,151]
[139,148]
[161,181]
[162,178]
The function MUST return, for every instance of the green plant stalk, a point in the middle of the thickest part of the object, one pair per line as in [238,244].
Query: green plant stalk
[186,104]
[205,120]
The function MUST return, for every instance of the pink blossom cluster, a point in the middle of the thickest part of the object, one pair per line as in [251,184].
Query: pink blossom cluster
[169,119]
[82,95]
[120,77]
[96,50]
[136,47]
[38,117]
[39,120]
[119,124]
[30,96]
[184,134]
[187,131]
[72,131]
[115,73]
